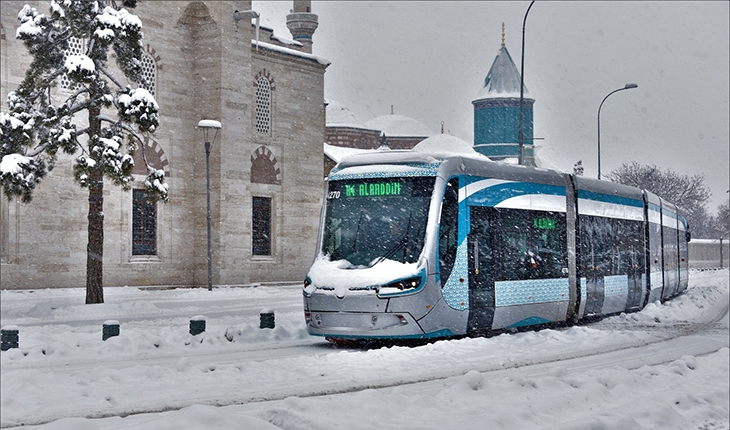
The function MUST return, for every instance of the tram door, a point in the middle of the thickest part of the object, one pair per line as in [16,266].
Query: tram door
[481,280]
[635,267]
[593,243]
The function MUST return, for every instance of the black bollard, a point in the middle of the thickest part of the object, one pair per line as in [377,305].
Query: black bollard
[10,337]
[267,319]
[109,329]
[197,325]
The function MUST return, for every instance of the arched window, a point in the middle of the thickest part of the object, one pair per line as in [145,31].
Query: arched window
[75,47]
[149,73]
[263,106]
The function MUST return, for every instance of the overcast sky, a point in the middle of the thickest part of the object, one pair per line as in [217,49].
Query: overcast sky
[429,59]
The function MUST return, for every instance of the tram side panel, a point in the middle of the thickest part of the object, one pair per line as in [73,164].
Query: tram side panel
[684,238]
[670,245]
[654,248]
[610,247]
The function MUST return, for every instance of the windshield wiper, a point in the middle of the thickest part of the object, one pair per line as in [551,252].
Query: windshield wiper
[402,244]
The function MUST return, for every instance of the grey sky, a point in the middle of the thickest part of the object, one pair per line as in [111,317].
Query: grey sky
[428,60]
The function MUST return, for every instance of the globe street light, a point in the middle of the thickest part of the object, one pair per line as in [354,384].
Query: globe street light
[626,87]
[207,125]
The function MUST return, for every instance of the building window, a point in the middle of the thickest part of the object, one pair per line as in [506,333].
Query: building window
[144,224]
[261,226]
[75,47]
[149,73]
[263,106]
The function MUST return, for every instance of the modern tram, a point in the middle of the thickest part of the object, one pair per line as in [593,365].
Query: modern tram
[414,245]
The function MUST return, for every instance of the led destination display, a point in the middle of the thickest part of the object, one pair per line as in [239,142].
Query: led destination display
[375,188]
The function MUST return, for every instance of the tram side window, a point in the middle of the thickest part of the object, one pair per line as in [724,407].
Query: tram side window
[532,244]
[610,246]
[448,229]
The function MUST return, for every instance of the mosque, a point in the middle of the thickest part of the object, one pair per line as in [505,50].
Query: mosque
[496,121]
[211,60]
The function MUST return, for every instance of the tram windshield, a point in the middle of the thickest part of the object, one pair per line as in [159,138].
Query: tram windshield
[372,220]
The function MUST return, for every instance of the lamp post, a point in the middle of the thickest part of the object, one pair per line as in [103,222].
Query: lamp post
[626,87]
[520,133]
[207,125]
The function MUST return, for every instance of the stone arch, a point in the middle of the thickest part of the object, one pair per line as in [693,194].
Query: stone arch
[155,157]
[265,74]
[264,167]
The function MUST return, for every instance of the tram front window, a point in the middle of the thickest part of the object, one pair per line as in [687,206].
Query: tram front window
[371,220]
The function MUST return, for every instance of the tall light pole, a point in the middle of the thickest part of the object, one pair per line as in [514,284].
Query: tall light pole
[207,125]
[520,133]
[626,87]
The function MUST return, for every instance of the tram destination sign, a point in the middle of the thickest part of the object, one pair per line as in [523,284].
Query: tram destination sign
[360,189]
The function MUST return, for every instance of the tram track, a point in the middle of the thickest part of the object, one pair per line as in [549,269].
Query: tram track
[663,346]
[254,382]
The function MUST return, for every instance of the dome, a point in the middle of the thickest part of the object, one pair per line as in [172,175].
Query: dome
[338,115]
[398,126]
[445,145]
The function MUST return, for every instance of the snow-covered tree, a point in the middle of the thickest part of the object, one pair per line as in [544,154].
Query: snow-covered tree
[687,192]
[99,121]
[723,220]
[578,168]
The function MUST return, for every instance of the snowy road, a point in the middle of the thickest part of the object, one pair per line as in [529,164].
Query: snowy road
[269,377]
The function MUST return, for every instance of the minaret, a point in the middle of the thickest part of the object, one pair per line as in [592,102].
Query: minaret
[302,23]
[497,112]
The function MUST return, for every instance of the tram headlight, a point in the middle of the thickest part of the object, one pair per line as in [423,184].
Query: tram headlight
[309,288]
[404,284]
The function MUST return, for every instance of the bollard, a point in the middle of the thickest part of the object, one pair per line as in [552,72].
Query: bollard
[9,337]
[267,318]
[197,324]
[110,328]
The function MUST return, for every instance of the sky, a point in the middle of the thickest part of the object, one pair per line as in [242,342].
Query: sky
[428,61]
[665,367]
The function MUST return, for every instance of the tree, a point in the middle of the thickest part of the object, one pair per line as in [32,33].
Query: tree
[40,121]
[723,220]
[578,169]
[687,192]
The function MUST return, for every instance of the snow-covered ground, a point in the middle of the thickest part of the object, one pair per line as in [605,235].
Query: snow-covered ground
[666,367]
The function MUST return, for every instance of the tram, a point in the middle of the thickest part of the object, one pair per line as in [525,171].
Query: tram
[423,245]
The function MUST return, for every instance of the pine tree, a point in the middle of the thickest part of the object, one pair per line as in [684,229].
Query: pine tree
[40,121]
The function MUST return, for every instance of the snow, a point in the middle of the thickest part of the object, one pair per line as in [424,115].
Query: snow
[440,145]
[341,273]
[665,367]
[209,123]
[289,51]
[11,164]
[340,116]
[80,63]
[337,153]
[398,125]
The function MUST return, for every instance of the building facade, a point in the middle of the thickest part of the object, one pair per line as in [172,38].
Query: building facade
[203,61]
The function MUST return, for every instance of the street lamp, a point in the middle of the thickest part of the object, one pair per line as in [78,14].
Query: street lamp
[626,87]
[520,133]
[207,125]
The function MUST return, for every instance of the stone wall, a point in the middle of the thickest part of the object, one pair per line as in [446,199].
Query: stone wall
[206,69]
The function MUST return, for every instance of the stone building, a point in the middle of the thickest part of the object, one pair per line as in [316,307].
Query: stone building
[204,61]
[344,130]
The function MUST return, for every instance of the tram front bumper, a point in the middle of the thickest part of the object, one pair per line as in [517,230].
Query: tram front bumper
[362,325]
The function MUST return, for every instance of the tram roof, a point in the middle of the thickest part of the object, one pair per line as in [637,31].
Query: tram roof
[608,188]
